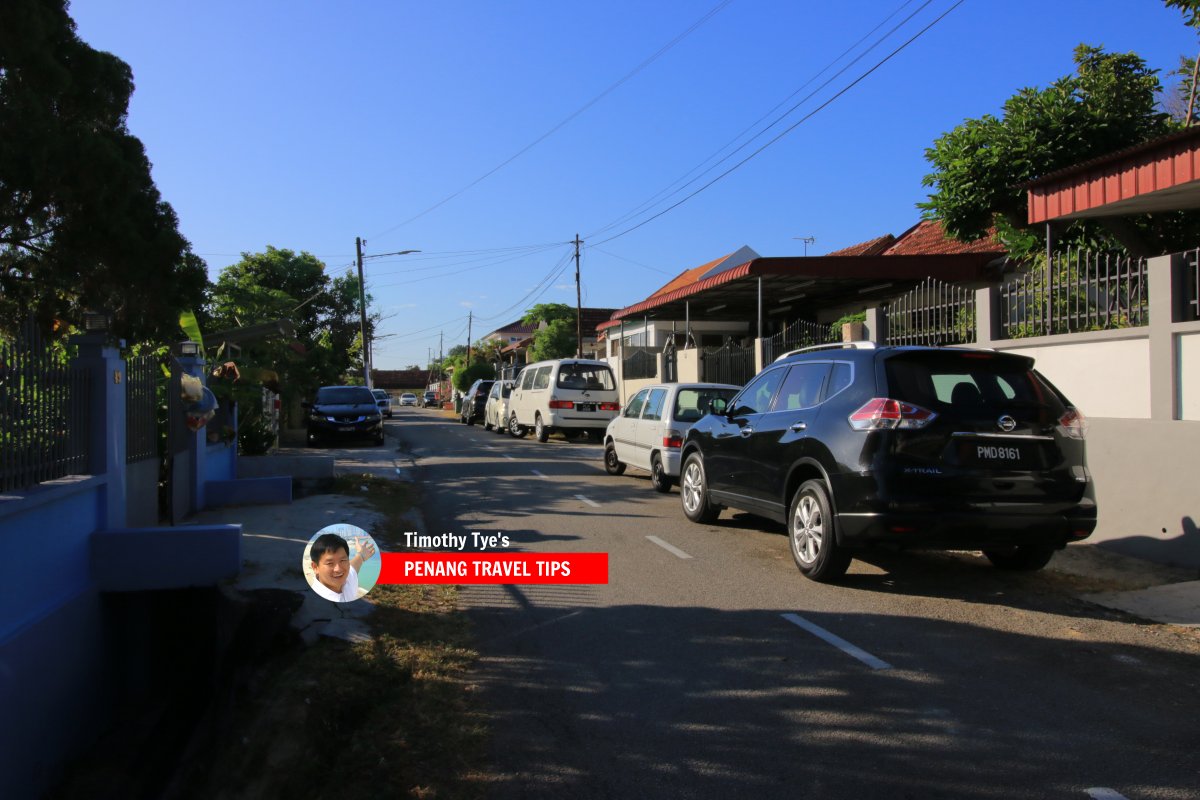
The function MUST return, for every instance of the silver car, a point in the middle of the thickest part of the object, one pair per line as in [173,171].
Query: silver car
[495,413]
[384,401]
[649,431]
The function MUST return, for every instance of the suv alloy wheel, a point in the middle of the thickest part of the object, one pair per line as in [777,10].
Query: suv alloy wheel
[811,534]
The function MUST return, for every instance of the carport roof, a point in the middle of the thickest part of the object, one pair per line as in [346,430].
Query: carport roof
[1160,175]
[793,284]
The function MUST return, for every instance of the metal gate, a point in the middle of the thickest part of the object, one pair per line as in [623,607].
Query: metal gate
[729,363]
[670,365]
[800,333]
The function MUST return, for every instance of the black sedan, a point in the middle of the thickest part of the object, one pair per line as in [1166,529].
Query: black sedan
[344,412]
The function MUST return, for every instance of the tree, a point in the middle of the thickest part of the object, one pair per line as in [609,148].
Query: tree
[556,339]
[979,166]
[82,225]
[463,378]
[282,284]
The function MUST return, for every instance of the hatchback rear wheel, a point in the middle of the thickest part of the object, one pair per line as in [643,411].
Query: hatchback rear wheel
[658,476]
[811,534]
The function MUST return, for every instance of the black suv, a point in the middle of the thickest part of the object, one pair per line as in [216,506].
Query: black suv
[474,400]
[935,447]
[429,399]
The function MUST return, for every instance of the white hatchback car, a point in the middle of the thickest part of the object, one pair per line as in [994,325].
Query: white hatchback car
[495,413]
[649,431]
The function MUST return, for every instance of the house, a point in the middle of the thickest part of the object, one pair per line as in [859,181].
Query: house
[736,312]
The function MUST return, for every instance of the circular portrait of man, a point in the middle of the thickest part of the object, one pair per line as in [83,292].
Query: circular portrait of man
[341,563]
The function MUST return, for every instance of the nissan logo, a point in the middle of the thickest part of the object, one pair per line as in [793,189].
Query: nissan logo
[1006,423]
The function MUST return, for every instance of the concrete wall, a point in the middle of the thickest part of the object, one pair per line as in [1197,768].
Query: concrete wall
[1145,474]
[630,388]
[687,365]
[1189,381]
[1105,375]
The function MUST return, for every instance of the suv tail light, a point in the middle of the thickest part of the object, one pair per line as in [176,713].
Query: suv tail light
[673,440]
[1073,424]
[610,406]
[562,404]
[883,413]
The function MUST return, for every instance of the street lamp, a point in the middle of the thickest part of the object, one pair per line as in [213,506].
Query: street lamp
[362,304]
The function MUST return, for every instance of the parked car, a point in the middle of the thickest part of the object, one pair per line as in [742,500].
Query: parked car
[430,399]
[344,412]
[649,431]
[568,395]
[408,399]
[495,411]
[474,400]
[946,448]
[384,401]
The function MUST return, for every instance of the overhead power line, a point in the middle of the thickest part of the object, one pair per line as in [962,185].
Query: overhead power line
[791,127]
[698,170]
[609,90]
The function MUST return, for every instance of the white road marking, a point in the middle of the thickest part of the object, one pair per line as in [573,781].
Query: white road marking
[591,503]
[1101,793]
[670,548]
[510,458]
[540,475]
[837,641]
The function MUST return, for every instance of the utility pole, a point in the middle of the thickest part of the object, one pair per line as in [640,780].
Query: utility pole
[362,310]
[470,314]
[578,304]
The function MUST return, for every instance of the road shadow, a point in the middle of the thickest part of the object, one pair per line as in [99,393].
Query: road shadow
[650,701]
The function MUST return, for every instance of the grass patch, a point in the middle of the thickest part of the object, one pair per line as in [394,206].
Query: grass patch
[390,717]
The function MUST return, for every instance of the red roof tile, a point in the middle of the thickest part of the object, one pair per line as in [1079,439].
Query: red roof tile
[872,247]
[928,238]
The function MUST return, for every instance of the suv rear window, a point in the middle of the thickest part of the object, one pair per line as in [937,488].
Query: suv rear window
[966,382]
[586,376]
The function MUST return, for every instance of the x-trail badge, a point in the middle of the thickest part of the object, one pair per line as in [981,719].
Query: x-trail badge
[1006,423]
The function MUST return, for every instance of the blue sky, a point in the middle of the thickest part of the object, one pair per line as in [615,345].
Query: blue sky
[305,124]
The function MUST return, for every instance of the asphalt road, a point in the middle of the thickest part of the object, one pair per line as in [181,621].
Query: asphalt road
[709,667]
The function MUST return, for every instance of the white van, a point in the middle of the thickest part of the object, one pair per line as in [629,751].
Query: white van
[569,395]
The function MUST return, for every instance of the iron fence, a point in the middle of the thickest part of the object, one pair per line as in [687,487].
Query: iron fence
[639,363]
[43,412]
[801,333]
[933,313]
[142,374]
[670,363]
[1082,291]
[729,363]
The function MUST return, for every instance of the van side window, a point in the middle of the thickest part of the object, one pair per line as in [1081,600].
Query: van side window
[527,379]
[634,408]
[541,379]
[654,405]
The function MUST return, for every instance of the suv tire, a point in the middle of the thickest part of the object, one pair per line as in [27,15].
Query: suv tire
[1022,558]
[540,431]
[693,492]
[516,429]
[811,534]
